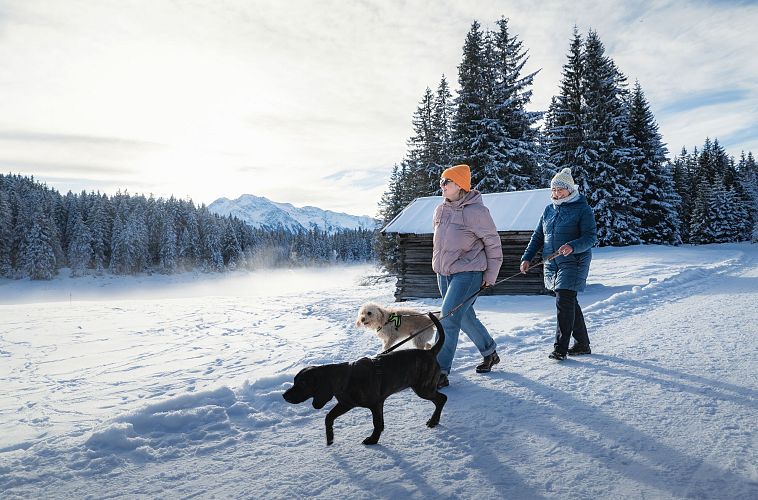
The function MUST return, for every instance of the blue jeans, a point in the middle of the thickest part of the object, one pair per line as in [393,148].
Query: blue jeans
[454,289]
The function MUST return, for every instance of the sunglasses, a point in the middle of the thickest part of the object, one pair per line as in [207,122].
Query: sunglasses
[444,182]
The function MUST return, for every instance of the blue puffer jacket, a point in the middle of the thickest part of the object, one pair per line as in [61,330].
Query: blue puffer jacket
[572,223]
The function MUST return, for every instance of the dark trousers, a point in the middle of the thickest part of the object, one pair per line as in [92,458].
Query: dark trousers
[570,321]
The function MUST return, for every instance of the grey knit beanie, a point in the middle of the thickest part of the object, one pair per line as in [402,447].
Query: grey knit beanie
[563,179]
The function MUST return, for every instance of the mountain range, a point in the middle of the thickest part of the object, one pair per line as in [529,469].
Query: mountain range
[260,212]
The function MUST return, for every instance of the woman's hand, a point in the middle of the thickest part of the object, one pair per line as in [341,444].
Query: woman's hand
[524,266]
[565,249]
[486,284]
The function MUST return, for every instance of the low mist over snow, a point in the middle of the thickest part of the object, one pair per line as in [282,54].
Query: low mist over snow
[171,387]
[262,212]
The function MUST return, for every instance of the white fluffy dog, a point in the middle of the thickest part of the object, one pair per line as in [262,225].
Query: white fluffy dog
[394,324]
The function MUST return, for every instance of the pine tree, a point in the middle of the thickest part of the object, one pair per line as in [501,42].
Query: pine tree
[748,177]
[100,224]
[704,223]
[717,214]
[138,234]
[37,254]
[168,253]
[608,148]
[744,200]
[517,141]
[681,182]
[391,204]
[120,262]
[471,104]
[211,258]
[79,248]
[443,113]
[564,130]
[658,198]
[420,158]
[231,250]
[6,225]
[188,250]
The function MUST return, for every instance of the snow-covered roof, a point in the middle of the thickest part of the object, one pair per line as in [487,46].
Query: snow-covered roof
[511,211]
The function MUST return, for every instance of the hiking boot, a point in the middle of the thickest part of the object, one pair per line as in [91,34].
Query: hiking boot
[579,349]
[558,356]
[489,361]
[443,382]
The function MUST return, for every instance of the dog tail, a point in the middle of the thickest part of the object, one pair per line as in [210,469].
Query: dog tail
[437,347]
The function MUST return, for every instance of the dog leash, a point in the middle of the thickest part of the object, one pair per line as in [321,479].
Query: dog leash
[481,289]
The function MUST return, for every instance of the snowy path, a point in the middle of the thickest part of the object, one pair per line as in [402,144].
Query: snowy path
[150,397]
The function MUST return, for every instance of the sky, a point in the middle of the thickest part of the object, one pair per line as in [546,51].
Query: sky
[170,386]
[310,102]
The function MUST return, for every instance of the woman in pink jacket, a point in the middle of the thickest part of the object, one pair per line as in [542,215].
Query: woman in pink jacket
[467,256]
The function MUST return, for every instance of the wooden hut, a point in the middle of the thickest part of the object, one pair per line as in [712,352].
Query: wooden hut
[515,213]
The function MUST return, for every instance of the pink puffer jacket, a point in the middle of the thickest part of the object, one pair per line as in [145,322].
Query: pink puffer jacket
[465,238]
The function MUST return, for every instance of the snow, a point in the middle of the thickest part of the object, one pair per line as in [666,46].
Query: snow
[511,211]
[168,387]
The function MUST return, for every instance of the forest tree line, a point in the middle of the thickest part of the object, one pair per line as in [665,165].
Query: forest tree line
[42,231]
[598,125]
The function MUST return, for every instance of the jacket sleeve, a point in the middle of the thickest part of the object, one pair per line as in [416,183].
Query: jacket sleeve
[587,232]
[484,228]
[535,242]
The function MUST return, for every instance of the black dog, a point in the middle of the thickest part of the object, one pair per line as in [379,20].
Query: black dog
[368,382]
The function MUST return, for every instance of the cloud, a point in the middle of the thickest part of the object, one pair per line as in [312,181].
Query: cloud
[47,137]
[704,99]
[51,167]
[312,102]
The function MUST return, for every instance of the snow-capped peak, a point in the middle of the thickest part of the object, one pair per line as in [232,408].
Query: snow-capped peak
[259,211]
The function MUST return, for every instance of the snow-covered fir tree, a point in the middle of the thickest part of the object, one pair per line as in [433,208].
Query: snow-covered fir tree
[211,257]
[738,182]
[442,122]
[470,105]
[492,130]
[680,174]
[99,222]
[37,255]
[565,122]
[421,157]
[188,246]
[658,200]
[748,178]
[6,225]
[518,154]
[391,203]
[80,248]
[608,149]
[168,259]
[719,202]
[231,250]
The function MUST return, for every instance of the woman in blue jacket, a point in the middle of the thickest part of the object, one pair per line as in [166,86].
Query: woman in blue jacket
[567,226]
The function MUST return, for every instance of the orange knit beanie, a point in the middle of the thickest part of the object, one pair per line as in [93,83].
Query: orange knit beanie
[460,174]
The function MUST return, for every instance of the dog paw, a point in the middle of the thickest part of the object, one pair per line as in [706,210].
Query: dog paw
[371,440]
[329,442]
[432,422]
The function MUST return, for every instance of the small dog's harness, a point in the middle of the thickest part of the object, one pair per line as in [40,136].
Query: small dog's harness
[393,318]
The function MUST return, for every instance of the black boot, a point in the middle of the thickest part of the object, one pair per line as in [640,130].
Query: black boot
[489,361]
[443,381]
[558,356]
[579,349]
